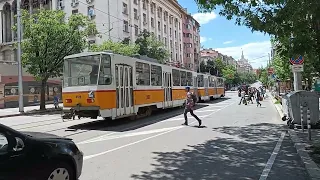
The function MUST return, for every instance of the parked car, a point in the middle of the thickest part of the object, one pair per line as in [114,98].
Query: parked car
[38,156]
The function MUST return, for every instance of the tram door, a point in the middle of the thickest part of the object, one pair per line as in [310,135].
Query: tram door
[206,85]
[167,88]
[124,89]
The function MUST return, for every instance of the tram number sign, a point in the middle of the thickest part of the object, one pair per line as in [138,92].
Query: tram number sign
[297,61]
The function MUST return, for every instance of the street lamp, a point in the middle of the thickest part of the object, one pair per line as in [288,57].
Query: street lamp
[19,33]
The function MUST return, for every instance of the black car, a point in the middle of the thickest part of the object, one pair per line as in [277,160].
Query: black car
[38,156]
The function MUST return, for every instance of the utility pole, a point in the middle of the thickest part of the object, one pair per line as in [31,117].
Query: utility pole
[19,33]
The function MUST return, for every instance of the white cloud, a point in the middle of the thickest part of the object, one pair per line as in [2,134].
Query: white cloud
[203,39]
[252,51]
[227,42]
[204,18]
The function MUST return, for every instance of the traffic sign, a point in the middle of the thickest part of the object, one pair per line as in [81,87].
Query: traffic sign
[297,68]
[299,60]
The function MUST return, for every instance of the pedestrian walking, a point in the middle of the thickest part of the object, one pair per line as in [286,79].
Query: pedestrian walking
[189,107]
[258,98]
[243,97]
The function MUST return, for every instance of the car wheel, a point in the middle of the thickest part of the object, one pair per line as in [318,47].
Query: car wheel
[60,171]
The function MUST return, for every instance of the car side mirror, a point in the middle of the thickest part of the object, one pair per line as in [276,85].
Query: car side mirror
[19,144]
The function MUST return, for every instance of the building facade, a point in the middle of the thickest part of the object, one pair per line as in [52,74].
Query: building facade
[191,41]
[244,65]
[117,20]
[229,60]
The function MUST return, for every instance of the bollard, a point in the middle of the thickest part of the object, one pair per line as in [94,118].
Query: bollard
[301,112]
[309,124]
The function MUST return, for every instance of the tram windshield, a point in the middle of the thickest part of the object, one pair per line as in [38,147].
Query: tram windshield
[84,70]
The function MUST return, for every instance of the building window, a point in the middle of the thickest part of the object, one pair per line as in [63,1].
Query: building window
[159,12]
[136,30]
[171,45]
[142,74]
[125,8]
[176,22]
[171,19]
[156,75]
[144,4]
[165,42]
[75,11]
[159,26]
[135,2]
[165,28]
[159,37]
[175,34]
[152,7]
[165,17]
[170,32]
[135,13]
[144,18]
[125,26]
[152,22]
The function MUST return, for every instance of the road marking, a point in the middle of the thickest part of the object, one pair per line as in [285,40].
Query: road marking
[209,110]
[129,135]
[145,139]
[272,158]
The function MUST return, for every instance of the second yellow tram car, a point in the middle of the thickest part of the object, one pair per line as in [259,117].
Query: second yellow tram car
[114,86]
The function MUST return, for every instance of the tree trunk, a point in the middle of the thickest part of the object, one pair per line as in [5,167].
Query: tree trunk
[43,94]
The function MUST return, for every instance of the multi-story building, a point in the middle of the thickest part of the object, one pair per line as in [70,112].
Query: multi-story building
[229,60]
[115,20]
[191,41]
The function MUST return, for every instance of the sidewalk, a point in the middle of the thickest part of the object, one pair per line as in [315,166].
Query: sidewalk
[10,112]
[309,151]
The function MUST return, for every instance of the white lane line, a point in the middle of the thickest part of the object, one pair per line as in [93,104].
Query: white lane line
[272,158]
[129,135]
[145,139]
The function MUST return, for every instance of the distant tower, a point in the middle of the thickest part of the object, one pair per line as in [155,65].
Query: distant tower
[242,56]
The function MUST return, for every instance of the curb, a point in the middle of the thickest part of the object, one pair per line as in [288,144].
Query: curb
[311,167]
[30,113]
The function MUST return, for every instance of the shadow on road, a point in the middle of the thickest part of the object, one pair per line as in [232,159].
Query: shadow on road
[125,124]
[236,153]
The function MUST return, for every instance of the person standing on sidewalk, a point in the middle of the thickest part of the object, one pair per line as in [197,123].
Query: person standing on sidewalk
[258,98]
[189,105]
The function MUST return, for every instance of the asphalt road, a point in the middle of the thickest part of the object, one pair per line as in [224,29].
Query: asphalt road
[236,142]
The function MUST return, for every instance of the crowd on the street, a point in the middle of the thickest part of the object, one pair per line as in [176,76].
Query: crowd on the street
[248,94]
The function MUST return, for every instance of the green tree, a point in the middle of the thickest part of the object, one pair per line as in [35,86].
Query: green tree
[116,47]
[280,18]
[228,72]
[219,65]
[203,67]
[151,47]
[48,39]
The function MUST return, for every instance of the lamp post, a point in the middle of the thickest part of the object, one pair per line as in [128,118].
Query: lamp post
[19,33]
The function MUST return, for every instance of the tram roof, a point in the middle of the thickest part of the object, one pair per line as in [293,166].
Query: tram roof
[86,54]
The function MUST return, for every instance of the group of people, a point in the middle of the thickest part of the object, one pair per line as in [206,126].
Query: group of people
[248,94]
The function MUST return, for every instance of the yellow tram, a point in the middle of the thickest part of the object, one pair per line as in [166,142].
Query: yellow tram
[114,86]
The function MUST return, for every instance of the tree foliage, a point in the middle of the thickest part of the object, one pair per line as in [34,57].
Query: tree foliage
[116,47]
[283,19]
[48,38]
[151,47]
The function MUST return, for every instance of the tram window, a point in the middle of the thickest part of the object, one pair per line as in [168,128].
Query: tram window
[105,77]
[212,83]
[176,77]
[183,76]
[142,74]
[200,81]
[156,75]
[81,71]
[189,79]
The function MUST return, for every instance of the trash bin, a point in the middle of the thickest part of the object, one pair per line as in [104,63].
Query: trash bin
[309,100]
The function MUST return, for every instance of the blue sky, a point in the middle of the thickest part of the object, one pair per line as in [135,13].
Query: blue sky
[224,36]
